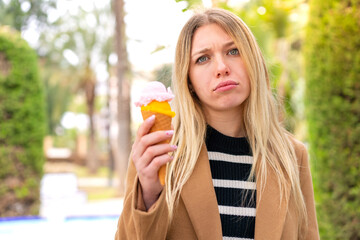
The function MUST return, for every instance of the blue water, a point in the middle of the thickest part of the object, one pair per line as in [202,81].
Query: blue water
[70,228]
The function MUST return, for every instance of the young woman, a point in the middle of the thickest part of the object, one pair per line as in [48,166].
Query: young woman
[234,171]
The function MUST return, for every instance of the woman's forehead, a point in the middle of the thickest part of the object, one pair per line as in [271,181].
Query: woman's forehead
[209,34]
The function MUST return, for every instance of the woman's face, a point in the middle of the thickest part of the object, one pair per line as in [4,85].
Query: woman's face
[217,72]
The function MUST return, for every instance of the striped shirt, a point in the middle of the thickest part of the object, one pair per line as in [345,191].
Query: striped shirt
[230,162]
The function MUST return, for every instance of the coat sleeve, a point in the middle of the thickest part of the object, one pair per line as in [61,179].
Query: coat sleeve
[311,230]
[135,223]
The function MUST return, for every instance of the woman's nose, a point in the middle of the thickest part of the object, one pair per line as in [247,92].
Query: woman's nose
[222,69]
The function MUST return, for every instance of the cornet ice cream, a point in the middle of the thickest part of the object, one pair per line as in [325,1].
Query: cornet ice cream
[154,100]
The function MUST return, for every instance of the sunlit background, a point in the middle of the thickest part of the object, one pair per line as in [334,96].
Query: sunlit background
[88,76]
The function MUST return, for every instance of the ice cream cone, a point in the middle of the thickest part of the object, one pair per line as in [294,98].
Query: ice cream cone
[154,100]
[162,122]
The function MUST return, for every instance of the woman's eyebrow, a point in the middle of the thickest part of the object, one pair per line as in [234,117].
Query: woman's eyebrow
[228,44]
[204,50]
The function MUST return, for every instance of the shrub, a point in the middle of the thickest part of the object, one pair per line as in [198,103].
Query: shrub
[333,111]
[22,126]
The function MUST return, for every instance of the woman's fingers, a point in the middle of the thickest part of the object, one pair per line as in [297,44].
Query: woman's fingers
[157,162]
[142,131]
[145,126]
[151,153]
[150,172]
[148,140]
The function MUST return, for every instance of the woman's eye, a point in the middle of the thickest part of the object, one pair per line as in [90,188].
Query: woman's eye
[234,51]
[202,59]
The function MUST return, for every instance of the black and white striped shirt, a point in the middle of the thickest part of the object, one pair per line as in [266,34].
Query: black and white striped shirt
[230,162]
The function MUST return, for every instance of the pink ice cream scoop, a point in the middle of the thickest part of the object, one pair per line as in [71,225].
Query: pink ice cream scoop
[154,91]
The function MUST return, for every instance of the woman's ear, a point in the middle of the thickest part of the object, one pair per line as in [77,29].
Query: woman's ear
[191,88]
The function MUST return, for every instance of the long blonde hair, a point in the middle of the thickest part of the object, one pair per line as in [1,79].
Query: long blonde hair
[269,141]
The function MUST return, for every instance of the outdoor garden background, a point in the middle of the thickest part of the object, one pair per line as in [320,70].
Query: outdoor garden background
[70,71]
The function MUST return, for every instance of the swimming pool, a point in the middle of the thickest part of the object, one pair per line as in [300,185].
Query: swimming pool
[70,228]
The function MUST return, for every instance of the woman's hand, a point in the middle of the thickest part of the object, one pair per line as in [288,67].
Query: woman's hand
[148,156]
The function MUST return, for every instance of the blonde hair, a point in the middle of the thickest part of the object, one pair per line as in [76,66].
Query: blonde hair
[269,141]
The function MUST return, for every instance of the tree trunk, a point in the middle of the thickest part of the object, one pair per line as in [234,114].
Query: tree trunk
[124,135]
[89,82]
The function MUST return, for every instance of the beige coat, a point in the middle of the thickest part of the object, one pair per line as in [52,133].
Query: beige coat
[197,215]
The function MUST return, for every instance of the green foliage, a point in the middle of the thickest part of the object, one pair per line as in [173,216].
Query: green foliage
[191,4]
[333,111]
[22,126]
[280,41]
[59,86]
[64,80]
[67,139]
[18,13]
[163,74]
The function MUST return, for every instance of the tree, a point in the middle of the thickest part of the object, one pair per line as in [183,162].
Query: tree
[20,13]
[163,74]
[22,126]
[87,84]
[191,3]
[59,87]
[333,112]
[76,44]
[123,94]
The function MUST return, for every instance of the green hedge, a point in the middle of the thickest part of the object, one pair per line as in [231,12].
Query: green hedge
[333,111]
[22,126]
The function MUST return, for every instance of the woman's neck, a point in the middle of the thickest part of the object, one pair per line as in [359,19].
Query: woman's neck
[228,123]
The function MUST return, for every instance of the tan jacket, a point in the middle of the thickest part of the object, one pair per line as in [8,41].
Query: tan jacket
[197,215]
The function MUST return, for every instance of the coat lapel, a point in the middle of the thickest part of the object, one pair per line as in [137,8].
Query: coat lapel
[200,201]
[270,212]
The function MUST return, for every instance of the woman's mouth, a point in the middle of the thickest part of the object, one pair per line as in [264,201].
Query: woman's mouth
[225,86]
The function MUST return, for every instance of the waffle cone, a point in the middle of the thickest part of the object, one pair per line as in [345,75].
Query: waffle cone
[162,122]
